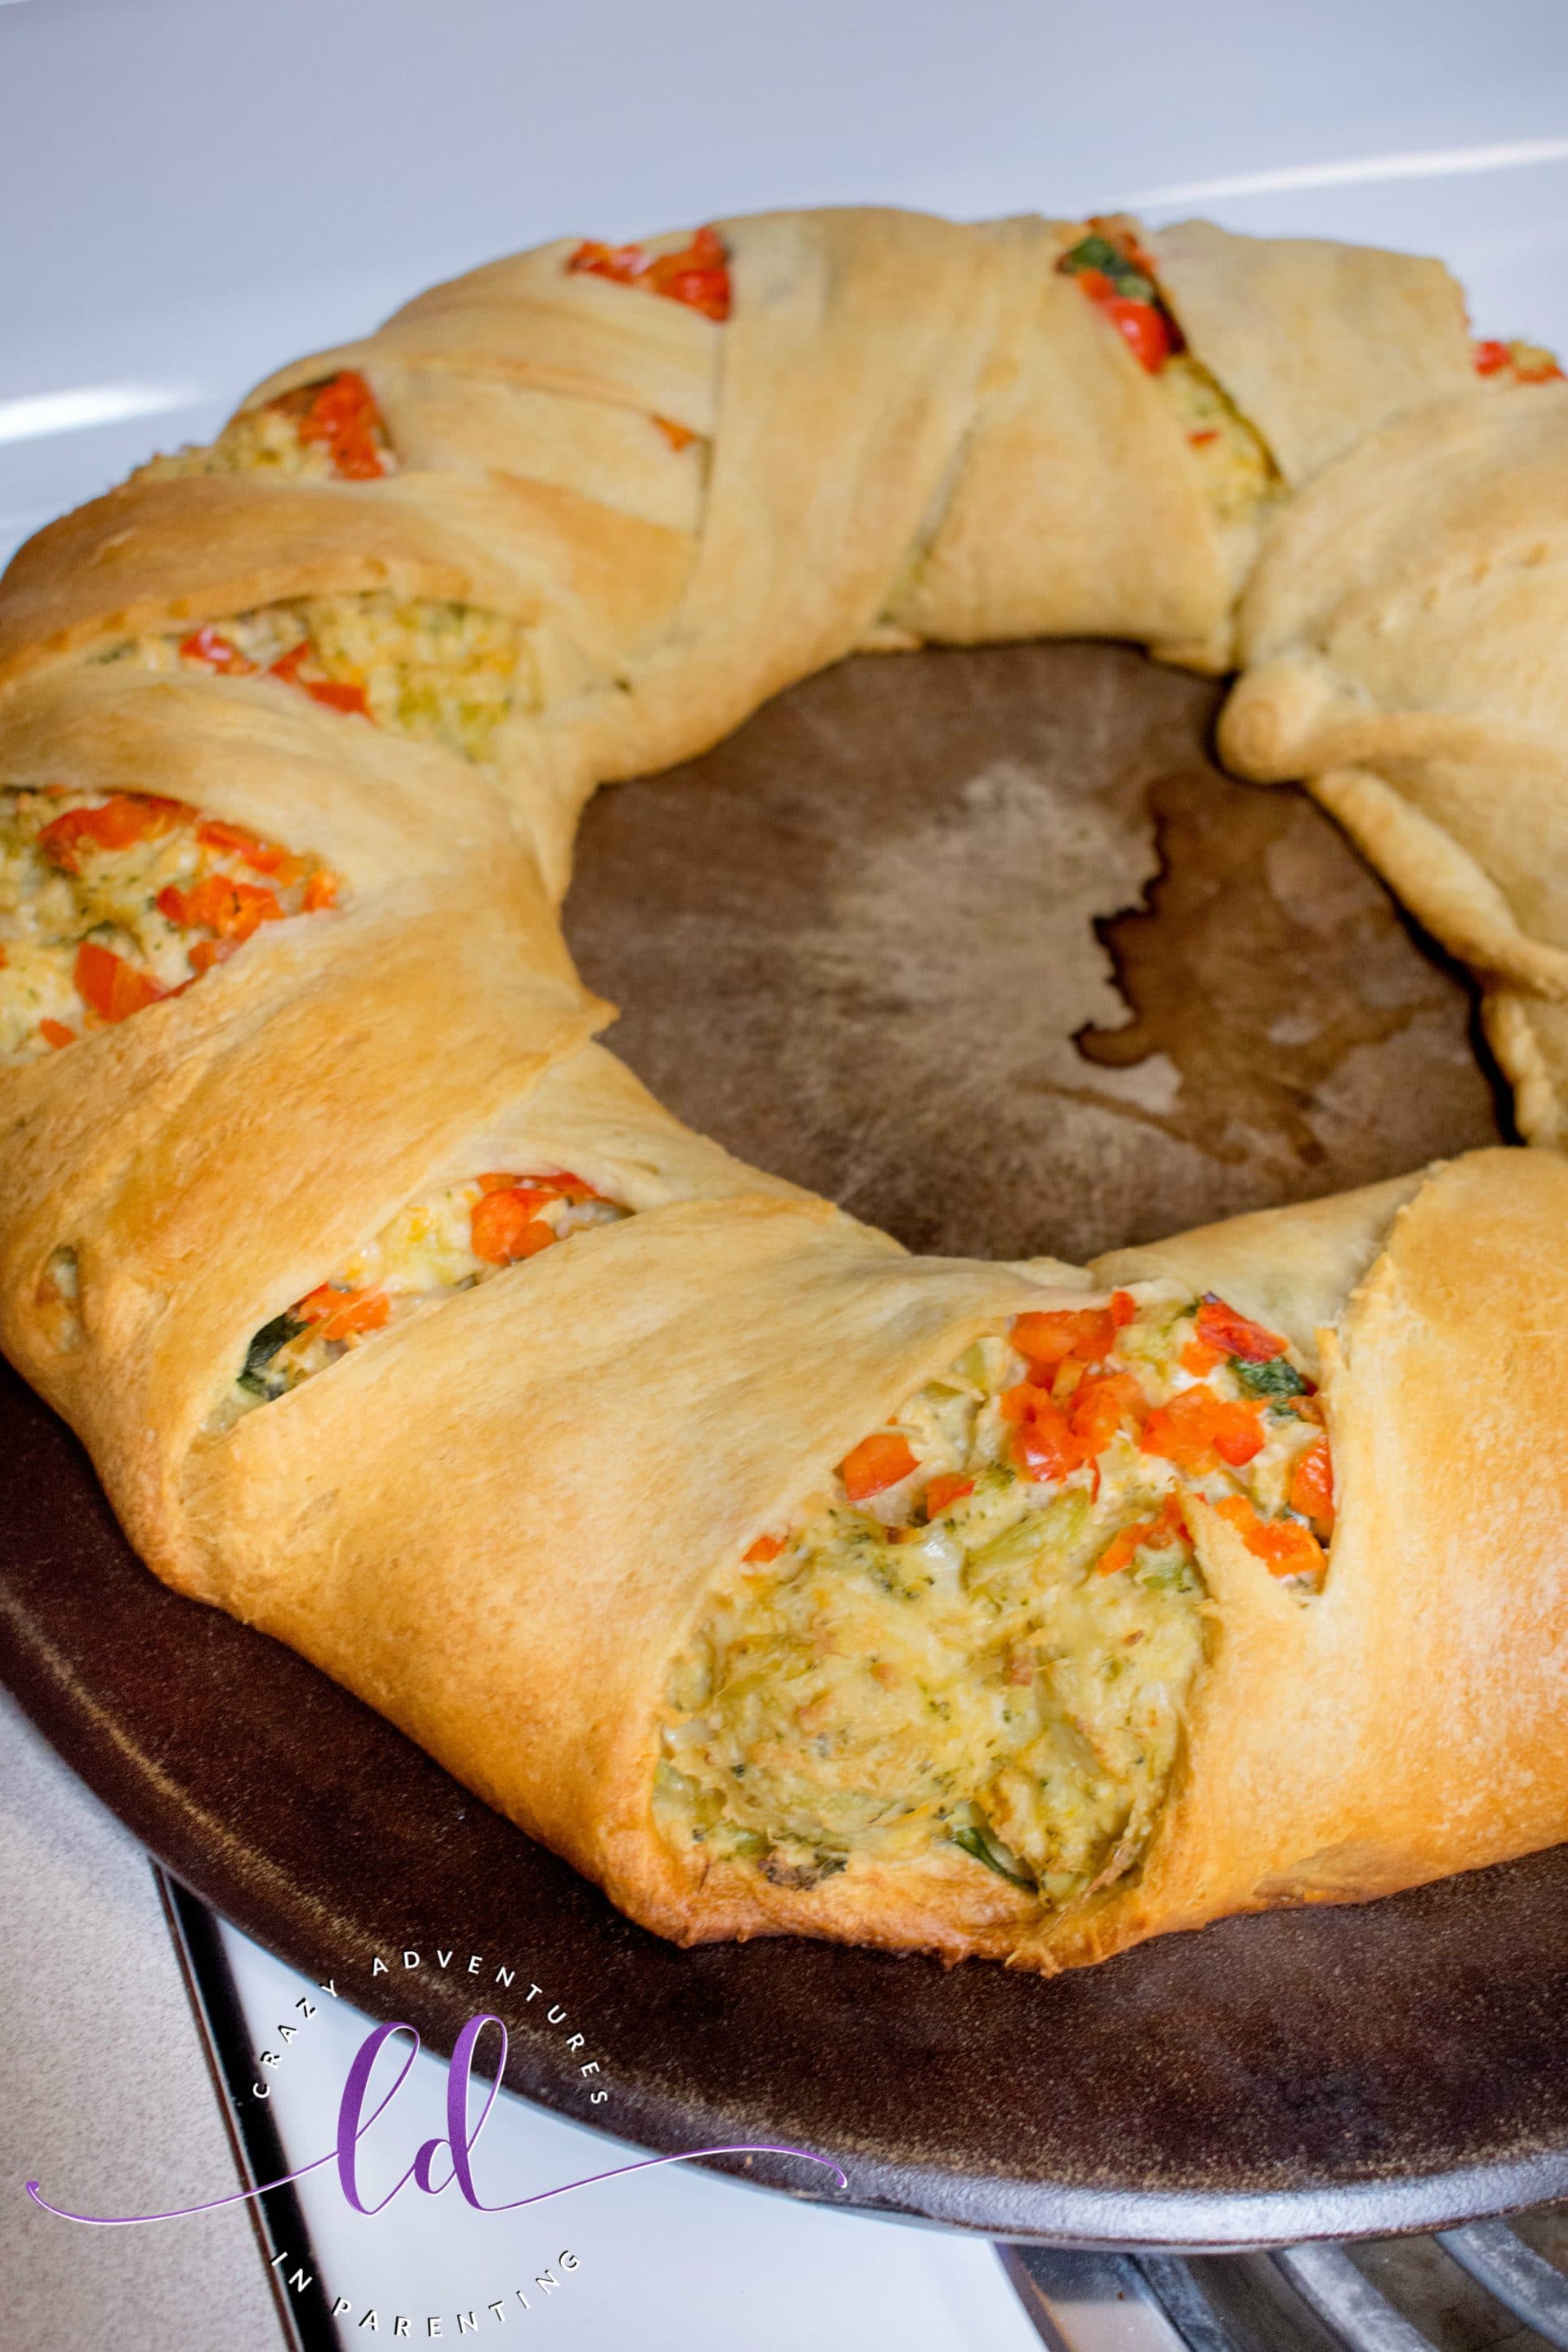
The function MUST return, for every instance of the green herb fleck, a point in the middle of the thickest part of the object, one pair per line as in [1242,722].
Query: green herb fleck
[1099,253]
[267,1341]
[975,1842]
[1278,1378]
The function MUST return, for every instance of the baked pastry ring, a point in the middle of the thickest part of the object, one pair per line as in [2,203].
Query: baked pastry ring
[779,1579]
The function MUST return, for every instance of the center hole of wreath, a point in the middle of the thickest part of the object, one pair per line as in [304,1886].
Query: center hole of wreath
[983,945]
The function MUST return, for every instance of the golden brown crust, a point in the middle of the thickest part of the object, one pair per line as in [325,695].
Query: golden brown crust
[526,321]
[1073,466]
[1402,638]
[1320,344]
[500,1522]
[166,555]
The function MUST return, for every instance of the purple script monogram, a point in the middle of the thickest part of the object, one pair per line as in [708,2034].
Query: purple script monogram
[457,2143]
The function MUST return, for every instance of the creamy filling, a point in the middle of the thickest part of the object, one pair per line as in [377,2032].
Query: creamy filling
[1237,475]
[440,673]
[1236,470]
[450,1241]
[110,902]
[973,1652]
[326,431]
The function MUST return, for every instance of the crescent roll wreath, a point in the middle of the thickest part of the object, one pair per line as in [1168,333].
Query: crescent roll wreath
[780,1579]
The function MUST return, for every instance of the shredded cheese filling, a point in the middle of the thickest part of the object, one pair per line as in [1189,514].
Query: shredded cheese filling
[327,432]
[975,1652]
[1236,470]
[108,902]
[440,673]
[450,1241]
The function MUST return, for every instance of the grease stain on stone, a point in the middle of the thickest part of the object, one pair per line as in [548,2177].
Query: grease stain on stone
[983,945]
[1262,957]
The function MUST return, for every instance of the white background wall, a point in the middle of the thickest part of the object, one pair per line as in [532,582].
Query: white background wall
[192,188]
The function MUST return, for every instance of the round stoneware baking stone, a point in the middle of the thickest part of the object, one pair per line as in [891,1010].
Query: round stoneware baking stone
[983,945]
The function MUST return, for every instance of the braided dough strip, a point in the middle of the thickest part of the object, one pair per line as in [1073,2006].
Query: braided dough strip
[1401,636]
[918,430]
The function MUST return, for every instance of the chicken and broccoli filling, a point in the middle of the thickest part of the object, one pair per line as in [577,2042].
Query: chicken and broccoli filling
[975,1652]
[441,673]
[449,1241]
[324,433]
[110,902]
[1237,474]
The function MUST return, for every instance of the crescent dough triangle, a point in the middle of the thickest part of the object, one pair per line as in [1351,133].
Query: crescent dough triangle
[779,1579]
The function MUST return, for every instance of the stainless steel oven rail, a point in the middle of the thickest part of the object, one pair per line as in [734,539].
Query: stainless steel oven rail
[1439,2293]
[1525,2281]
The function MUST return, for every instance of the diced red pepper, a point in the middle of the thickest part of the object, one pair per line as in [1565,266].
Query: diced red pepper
[1086,1334]
[286,665]
[120,823]
[1044,1445]
[261,856]
[678,437]
[1285,1547]
[766,1547]
[876,1463]
[342,418]
[215,651]
[218,903]
[949,1487]
[332,693]
[504,1227]
[1100,1408]
[623,263]
[55,1034]
[561,1185]
[1232,1335]
[337,694]
[1526,362]
[320,892]
[1197,1426]
[1312,1486]
[698,275]
[1145,330]
[1157,1534]
[113,988]
[344,1314]
[575,1189]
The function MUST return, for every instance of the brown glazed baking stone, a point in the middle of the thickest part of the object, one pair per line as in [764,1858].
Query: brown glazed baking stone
[983,945]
